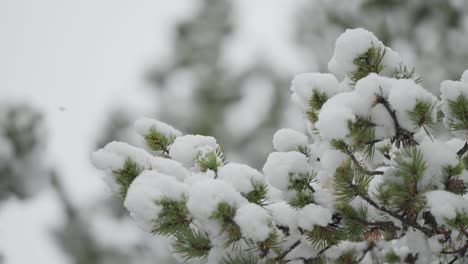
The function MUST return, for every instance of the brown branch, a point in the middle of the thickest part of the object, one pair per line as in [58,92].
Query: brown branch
[428,232]
[402,135]
[359,165]
[463,150]
[291,248]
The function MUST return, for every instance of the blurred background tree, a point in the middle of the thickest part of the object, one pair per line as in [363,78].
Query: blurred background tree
[431,33]
[23,171]
[196,92]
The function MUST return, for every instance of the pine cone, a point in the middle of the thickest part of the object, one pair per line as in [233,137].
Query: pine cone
[456,186]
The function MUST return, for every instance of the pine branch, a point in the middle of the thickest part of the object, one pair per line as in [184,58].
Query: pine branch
[126,175]
[317,100]
[304,192]
[402,135]
[173,216]
[158,141]
[286,252]
[259,193]
[459,111]
[191,244]
[407,222]
[343,147]
[368,62]
[224,215]
[402,72]
[347,186]
[463,150]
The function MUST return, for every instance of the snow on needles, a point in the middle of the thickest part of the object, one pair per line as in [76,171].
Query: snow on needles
[352,44]
[145,190]
[254,222]
[240,176]
[280,166]
[304,84]
[312,215]
[143,125]
[185,148]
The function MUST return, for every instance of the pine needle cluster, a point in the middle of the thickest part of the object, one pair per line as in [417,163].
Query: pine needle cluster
[368,62]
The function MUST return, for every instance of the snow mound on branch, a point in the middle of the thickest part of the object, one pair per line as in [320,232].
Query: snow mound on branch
[464,77]
[437,155]
[145,190]
[280,165]
[444,205]
[334,116]
[204,197]
[353,43]
[304,84]
[312,215]
[451,90]
[143,125]
[404,96]
[287,139]
[170,167]
[254,222]
[114,154]
[283,214]
[185,148]
[241,176]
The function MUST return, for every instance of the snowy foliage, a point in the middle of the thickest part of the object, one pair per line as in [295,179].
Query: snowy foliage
[381,176]
[23,171]
[430,34]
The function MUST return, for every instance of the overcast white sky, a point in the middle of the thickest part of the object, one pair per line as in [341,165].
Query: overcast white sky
[84,56]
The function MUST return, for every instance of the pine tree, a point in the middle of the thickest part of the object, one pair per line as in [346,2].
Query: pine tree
[434,38]
[23,172]
[381,177]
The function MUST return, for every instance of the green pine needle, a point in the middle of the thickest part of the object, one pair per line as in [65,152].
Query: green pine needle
[449,171]
[385,150]
[460,220]
[172,218]
[362,131]
[243,258]
[191,244]
[158,141]
[408,195]
[459,111]
[224,215]
[368,62]
[402,72]
[259,193]
[465,162]
[421,115]
[301,199]
[126,175]
[301,181]
[392,257]
[317,100]
[348,257]
[321,237]
[349,182]
[211,160]
[354,221]
[271,243]
[304,150]
[340,145]
[301,184]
